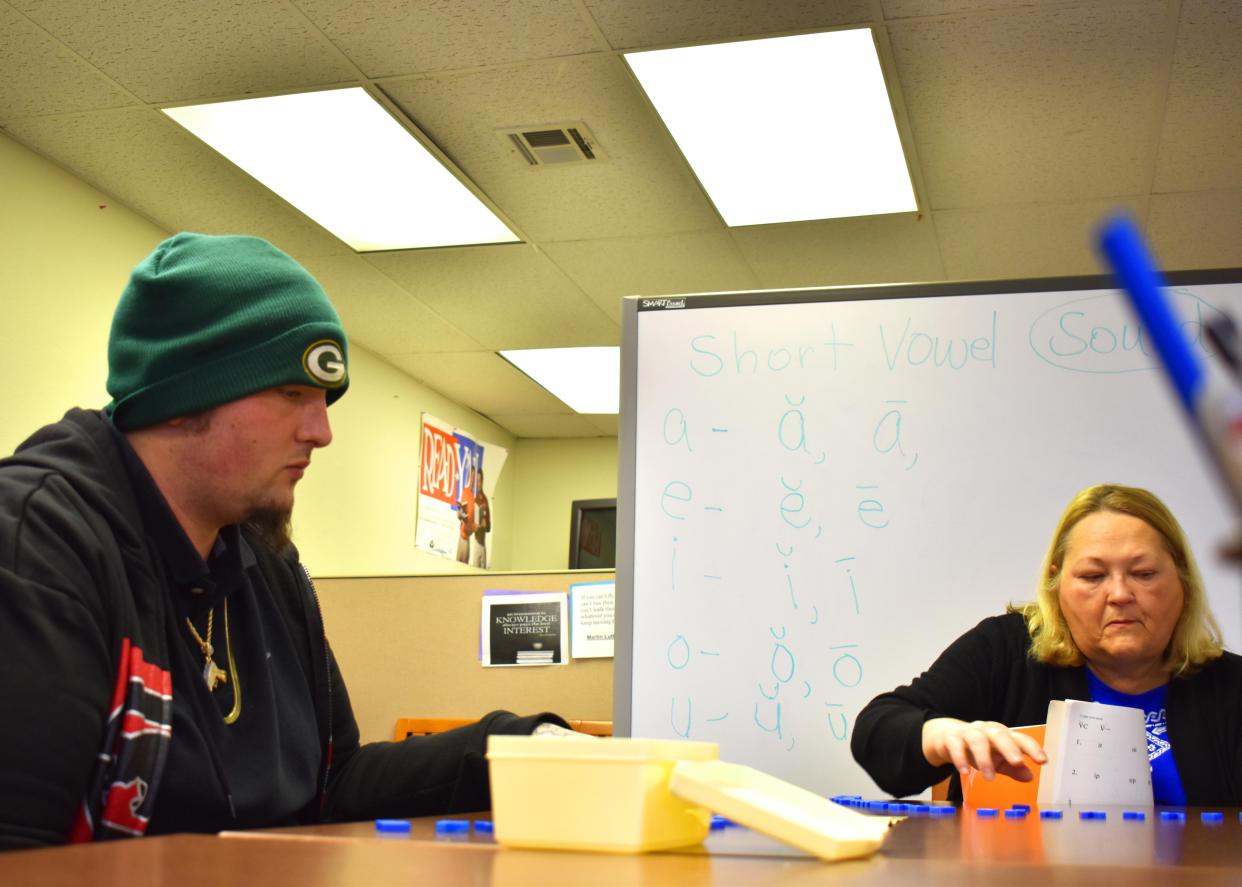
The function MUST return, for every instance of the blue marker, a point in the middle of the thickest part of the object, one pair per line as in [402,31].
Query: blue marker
[1212,400]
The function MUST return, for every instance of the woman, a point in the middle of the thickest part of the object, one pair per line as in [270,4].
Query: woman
[1121,618]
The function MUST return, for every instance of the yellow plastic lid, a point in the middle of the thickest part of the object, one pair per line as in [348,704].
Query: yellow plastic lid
[601,748]
[779,809]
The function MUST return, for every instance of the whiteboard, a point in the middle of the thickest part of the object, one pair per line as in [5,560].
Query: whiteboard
[819,491]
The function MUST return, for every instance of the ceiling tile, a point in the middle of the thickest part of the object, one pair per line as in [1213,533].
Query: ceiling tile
[648,266]
[380,315]
[40,76]
[1044,104]
[607,424]
[1201,146]
[399,37]
[655,22]
[167,175]
[536,426]
[502,296]
[483,381]
[643,186]
[174,50]
[839,252]
[915,8]
[1026,241]
[1200,230]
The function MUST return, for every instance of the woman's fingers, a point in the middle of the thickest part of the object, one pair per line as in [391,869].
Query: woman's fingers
[989,747]
[986,746]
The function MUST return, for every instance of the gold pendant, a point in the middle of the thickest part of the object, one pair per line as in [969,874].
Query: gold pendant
[214,675]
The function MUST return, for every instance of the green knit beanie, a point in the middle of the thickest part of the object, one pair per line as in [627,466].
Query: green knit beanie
[206,320]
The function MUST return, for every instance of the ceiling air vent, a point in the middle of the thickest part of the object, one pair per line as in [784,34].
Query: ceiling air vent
[553,144]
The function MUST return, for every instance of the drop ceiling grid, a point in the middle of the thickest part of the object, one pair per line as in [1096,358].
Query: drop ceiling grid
[176,50]
[41,76]
[607,270]
[503,297]
[395,37]
[642,188]
[1202,133]
[1028,106]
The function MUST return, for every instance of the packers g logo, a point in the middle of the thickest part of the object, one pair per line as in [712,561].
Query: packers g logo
[324,363]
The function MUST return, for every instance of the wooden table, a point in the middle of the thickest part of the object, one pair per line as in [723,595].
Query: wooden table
[959,851]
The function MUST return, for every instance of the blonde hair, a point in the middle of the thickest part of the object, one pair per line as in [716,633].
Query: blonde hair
[1196,639]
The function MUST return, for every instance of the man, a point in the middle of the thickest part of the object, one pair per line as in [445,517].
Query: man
[165,665]
[482,524]
[465,514]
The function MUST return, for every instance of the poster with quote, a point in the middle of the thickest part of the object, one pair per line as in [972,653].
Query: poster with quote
[457,475]
[592,619]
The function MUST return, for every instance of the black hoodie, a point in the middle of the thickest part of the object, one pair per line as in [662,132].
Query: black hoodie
[95,714]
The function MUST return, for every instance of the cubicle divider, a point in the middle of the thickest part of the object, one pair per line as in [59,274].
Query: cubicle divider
[409,648]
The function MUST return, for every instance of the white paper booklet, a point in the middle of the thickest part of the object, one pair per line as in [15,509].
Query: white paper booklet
[1097,754]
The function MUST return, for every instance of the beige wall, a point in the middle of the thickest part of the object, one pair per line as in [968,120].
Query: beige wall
[550,475]
[383,632]
[65,262]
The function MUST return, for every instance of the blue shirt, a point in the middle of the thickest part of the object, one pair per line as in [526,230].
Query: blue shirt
[1166,784]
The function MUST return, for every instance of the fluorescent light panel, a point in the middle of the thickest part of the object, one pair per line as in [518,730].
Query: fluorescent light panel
[588,380]
[783,129]
[341,158]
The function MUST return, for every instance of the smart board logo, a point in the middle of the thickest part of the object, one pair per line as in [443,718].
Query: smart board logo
[664,303]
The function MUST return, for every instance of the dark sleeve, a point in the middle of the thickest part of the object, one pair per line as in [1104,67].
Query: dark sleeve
[1205,729]
[422,775]
[56,675]
[888,735]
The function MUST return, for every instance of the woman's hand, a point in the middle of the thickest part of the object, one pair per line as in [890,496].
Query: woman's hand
[987,746]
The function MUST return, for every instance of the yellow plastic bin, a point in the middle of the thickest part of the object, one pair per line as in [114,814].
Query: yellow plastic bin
[605,794]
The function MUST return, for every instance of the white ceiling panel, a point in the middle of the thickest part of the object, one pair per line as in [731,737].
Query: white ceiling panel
[1200,230]
[1202,134]
[170,50]
[645,23]
[562,425]
[503,297]
[894,9]
[382,316]
[485,382]
[166,174]
[1084,127]
[653,266]
[643,187]
[1049,240]
[400,37]
[44,77]
[843,252]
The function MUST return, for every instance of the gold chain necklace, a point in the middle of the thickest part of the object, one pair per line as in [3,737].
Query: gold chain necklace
[214,675]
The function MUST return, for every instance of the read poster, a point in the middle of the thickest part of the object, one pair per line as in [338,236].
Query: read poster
[457,475]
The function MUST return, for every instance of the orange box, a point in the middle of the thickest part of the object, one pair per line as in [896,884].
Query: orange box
[1003,792]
